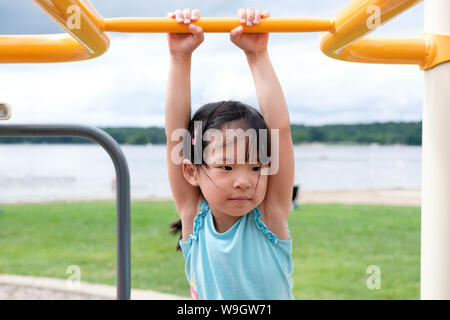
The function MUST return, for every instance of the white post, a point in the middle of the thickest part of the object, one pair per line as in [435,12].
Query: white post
[435,245]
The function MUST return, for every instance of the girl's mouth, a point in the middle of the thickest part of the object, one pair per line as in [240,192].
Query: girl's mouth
[240,200]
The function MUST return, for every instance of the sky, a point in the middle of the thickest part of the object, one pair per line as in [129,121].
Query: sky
[126,86]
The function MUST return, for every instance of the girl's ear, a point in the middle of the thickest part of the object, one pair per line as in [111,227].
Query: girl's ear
[190,172]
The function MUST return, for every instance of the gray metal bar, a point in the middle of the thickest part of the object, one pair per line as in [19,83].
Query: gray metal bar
[123,184]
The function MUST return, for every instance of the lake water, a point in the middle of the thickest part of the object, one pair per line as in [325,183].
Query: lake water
[47,172]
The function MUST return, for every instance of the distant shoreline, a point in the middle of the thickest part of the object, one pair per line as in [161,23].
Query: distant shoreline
[383,133]
[163,144]
[394,197]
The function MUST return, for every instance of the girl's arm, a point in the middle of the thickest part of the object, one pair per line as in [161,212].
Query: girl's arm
[275,112]
[178,104]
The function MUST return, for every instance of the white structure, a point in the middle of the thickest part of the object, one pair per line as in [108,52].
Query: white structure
[435,244]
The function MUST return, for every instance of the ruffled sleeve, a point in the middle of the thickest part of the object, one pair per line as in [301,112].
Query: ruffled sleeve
[198,221]
[273,238]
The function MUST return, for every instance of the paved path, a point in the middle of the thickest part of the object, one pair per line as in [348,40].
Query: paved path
[14,287]
[16,292]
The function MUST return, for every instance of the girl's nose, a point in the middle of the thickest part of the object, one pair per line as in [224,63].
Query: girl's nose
[241,183]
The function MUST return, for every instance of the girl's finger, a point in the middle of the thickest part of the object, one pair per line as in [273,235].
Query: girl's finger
[242,15]
[187,15]
[195,14]
[257,16]
[265,14]
[196,30]
[250,15]
[179,15]
[236,33]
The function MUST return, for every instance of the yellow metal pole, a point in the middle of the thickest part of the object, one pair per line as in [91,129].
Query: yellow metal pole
[169,25]
[385,50]
[41,48]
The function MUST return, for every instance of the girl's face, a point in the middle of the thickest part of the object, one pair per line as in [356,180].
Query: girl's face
[225,178]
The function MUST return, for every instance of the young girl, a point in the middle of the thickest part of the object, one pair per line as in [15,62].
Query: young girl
[233,218]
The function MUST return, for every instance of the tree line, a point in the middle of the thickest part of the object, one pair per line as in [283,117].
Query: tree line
[406,133]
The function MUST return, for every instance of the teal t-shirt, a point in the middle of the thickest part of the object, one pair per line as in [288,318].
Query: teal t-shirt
[246,262]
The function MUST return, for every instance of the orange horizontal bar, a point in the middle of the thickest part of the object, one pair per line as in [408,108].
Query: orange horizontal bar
[41,48]
[384,50]
[169,25]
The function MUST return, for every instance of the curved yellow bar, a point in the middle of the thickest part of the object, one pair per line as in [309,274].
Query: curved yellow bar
[354,22]
[84,38]
[217,25]
[80,20]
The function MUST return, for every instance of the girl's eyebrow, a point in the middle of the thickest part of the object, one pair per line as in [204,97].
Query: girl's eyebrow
[228,159]
[232,161]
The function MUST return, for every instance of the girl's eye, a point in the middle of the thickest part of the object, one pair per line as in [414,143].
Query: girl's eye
[228,168]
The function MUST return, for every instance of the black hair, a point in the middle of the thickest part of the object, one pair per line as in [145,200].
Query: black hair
[214,116]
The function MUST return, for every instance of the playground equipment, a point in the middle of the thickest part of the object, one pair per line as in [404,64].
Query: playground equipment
[123,184]
[344,37]
[86,35]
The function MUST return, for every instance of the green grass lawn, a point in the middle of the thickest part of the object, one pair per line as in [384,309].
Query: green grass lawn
[333,245]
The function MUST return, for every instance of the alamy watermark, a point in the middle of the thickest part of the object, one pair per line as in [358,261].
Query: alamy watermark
[74,280]
[374,280]
[74,20]
[374,20]
[216,146]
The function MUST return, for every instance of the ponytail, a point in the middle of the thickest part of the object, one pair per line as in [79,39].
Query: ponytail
[175,229]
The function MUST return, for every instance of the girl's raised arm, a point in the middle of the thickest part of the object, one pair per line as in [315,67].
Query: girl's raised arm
[275,112]
[178,102]
[273,106]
